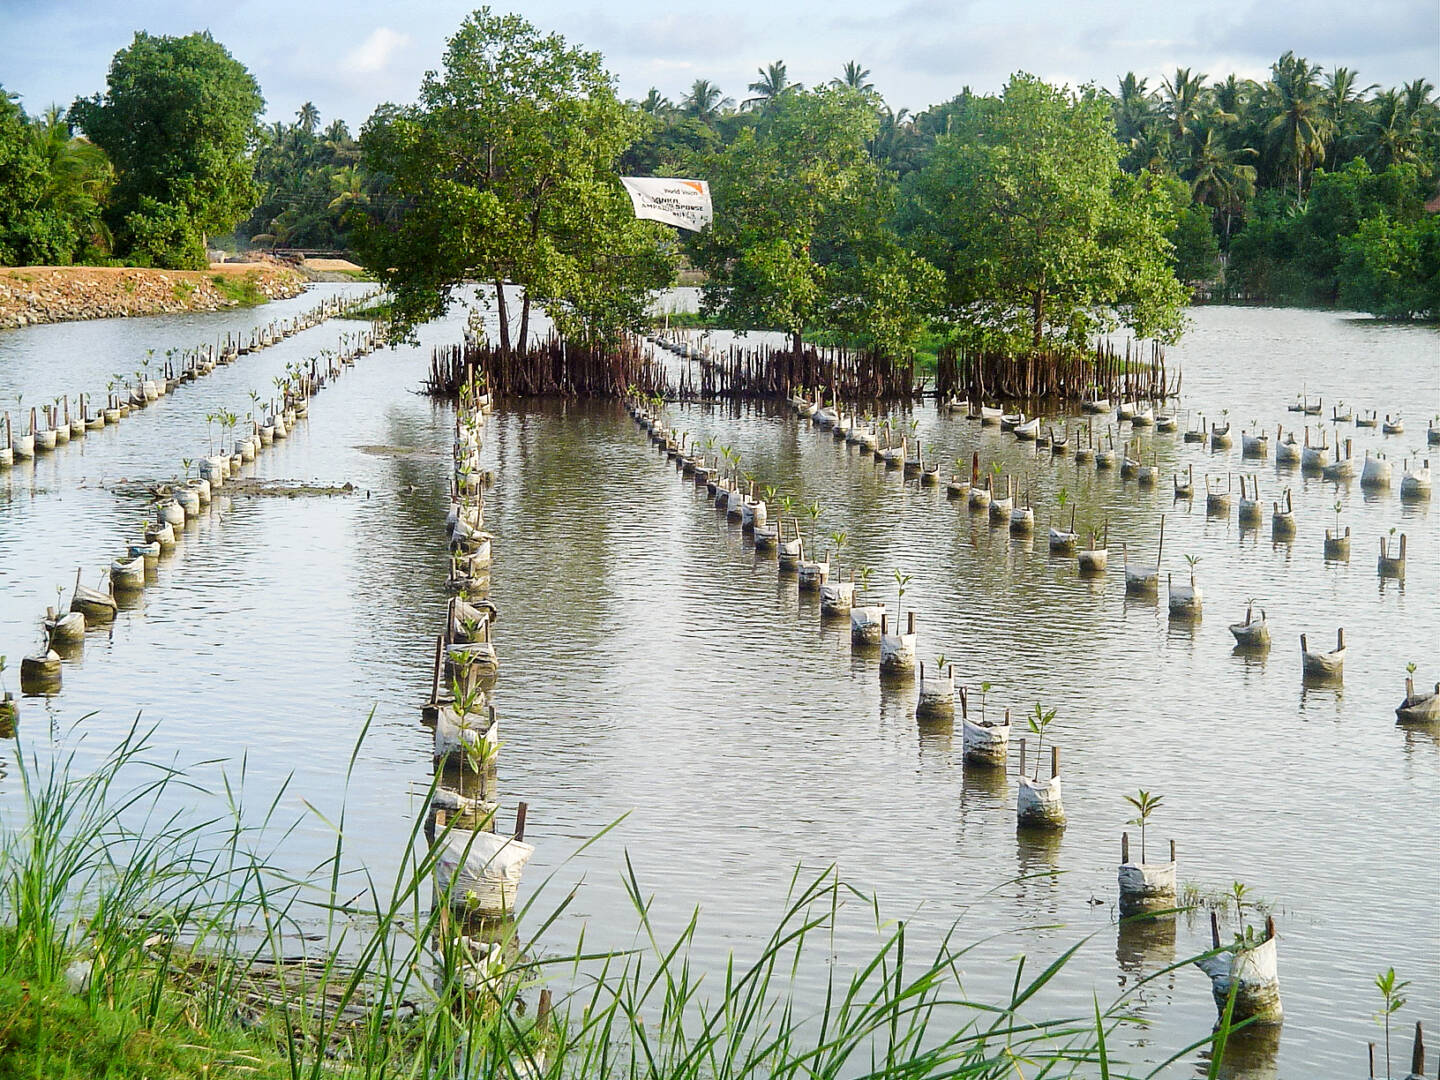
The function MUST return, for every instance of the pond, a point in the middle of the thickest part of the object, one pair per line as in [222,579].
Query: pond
[656,669]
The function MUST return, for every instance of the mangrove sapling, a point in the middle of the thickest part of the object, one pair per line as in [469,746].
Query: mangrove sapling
[1393,1001]
[1193,561]
[839,539]
[901,580]
[1246,936]
[984,689]
[862,577]
[813,511]
[1145,804]
[1039,722]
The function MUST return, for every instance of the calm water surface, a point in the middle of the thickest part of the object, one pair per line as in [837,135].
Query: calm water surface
[655,667]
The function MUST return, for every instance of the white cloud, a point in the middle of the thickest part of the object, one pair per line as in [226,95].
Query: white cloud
[375,52]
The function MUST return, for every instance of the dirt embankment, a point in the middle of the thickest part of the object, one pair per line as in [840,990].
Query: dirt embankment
[47,294]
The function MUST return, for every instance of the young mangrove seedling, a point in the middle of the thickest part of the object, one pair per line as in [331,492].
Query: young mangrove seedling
[984,689]
[1039,722]
[863,575]
[813,510]
[901,580]
[1390,990]
[1145,804]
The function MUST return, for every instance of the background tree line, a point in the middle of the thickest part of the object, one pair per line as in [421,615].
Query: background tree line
[837,216]
[1308,187]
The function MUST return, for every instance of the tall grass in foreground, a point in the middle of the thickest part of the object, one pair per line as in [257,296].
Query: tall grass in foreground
[137,942]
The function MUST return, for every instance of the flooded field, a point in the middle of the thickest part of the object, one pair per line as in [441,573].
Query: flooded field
[656,668]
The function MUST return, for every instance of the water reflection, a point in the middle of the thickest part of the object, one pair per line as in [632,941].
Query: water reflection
[1251,1053]
[1144,946]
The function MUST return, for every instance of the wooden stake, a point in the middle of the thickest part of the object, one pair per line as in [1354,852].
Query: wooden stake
[435,678]
[520,812]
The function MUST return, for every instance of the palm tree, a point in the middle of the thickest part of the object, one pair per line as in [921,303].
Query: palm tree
[897,143]
[1134,111]
[774,83]
[656,104]
[855,77]
[309,117]
[1419,102]
[1184,99]
[337,132]
[348,184]
[77,172]
[705,101]
[1229,99]
[1298,128]
[1394,134]
[1344,106]
[1219,179]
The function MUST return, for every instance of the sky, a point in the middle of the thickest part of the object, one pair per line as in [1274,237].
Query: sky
[349,57]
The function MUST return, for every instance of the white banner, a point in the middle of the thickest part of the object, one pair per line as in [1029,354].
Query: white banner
[683,203]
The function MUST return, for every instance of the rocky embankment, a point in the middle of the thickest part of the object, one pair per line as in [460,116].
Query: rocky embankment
[47,294]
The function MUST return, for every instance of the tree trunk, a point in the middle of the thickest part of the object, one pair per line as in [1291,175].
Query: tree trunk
[524,321]
[503,314]
[1039,317]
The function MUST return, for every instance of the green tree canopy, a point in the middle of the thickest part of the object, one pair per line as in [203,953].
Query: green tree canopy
[1039,233]
[802,238]
[29,232]
[1391,267]
[178,121]
[506,171]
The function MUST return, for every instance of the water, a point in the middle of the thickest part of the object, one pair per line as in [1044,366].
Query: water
[653,666]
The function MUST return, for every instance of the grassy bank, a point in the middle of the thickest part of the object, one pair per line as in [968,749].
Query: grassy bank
[121,956]
[926,348]
[242,290]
